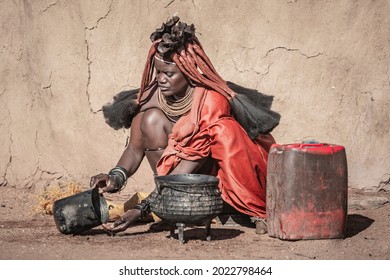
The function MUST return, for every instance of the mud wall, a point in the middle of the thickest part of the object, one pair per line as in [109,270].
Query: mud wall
[326,63]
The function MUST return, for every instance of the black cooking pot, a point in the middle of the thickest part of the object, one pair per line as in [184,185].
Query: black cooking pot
[186,198]
[80,212]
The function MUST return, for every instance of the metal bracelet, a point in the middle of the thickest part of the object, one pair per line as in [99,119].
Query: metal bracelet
[144,207]
[119,175]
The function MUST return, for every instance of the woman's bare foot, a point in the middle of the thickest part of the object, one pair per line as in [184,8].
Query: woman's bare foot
[261,225]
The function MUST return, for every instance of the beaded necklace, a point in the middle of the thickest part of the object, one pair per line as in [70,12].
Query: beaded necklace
[174,107]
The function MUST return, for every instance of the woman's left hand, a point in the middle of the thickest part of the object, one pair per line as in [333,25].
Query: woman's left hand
[128,218]
[119,225]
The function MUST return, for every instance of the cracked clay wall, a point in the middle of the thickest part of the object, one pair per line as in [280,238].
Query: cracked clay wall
[326,63]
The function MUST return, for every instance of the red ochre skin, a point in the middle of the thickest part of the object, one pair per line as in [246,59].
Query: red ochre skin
[307,191]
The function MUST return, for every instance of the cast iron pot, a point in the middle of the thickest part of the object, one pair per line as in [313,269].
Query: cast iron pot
[186,198]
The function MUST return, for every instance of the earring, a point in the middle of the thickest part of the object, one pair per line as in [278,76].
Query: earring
[191,82]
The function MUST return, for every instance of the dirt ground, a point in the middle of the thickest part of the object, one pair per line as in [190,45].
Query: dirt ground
[27,236]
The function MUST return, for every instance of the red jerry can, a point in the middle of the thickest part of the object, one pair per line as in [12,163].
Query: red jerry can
[307,191]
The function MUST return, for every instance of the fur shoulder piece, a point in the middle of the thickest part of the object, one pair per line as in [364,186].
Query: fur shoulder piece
[252,109]
[120,112]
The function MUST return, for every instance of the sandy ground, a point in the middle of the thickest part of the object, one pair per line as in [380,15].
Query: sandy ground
[27,236]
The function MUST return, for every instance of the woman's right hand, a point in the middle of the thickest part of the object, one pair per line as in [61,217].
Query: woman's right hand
[103,182]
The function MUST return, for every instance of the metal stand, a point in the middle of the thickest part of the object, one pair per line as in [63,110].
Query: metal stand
[208,230]
[180,231]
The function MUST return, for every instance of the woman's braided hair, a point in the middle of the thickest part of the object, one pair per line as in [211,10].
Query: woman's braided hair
[177,41]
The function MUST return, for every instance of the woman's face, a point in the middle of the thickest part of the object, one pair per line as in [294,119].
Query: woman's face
[170,79]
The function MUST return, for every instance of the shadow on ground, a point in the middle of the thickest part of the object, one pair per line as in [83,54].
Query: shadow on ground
[357,223]
[216,233]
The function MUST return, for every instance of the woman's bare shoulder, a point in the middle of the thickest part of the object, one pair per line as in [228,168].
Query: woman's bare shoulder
[149,100]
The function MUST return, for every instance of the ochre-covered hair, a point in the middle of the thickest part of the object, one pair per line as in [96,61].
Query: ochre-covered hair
[176,41]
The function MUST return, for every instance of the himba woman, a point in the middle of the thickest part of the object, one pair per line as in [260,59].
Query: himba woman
[186,119]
